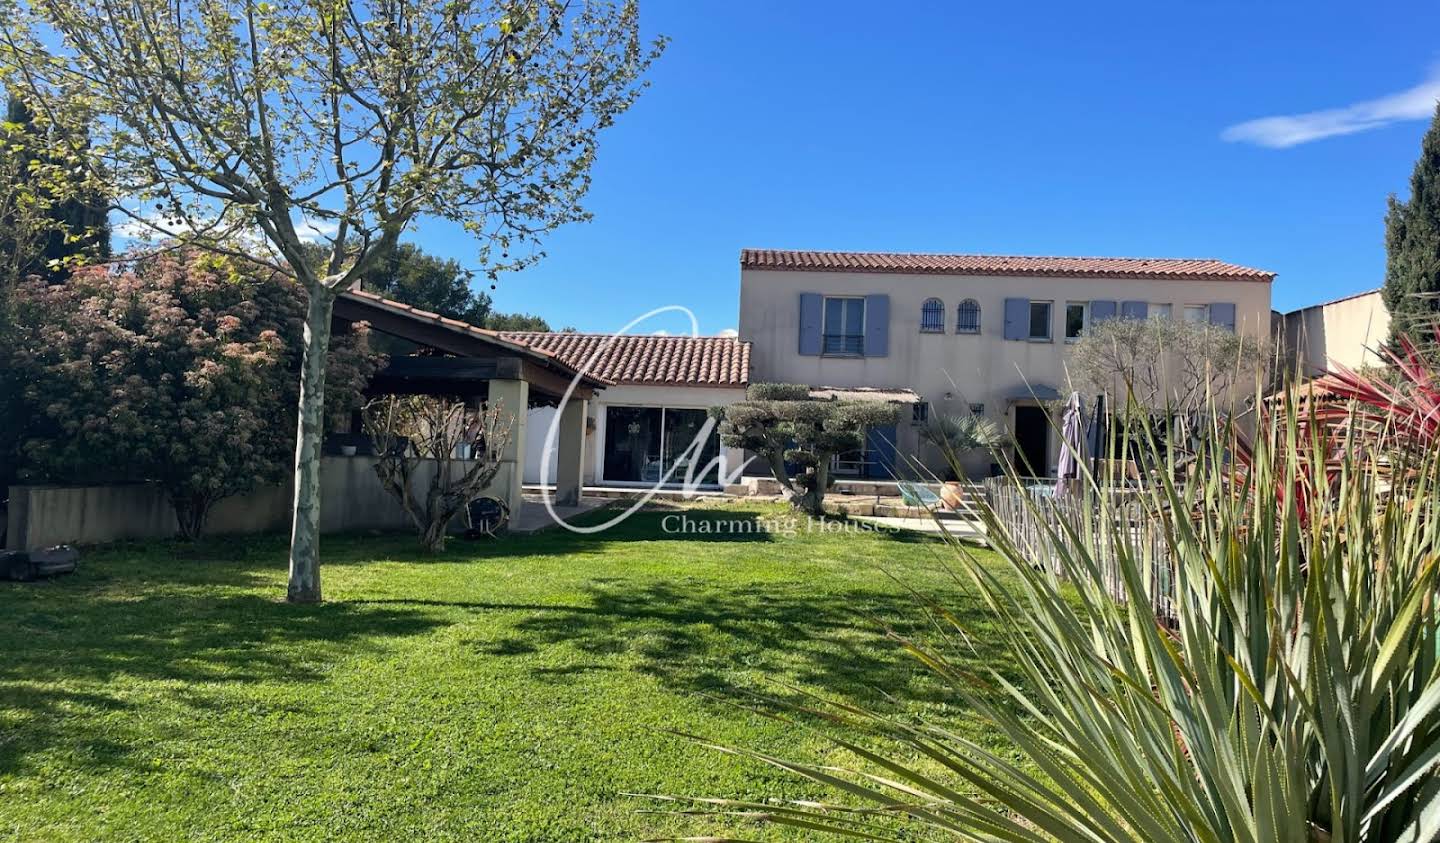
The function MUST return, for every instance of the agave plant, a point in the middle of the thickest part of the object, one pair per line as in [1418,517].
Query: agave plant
[1292,694]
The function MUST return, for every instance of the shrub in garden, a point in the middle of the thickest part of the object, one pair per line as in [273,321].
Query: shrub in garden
[180,370]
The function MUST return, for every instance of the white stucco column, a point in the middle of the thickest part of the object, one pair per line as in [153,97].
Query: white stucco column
[570,452]
[513,397]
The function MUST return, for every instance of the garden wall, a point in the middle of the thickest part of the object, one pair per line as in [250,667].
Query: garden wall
[351,499]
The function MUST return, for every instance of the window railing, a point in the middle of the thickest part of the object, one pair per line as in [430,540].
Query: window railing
[847,345]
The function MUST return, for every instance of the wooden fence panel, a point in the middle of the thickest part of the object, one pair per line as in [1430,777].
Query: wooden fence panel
[1047,529]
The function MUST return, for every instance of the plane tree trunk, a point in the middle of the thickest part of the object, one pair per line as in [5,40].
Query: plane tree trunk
[304,584]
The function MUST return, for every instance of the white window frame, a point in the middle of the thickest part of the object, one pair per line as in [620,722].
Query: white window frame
[1049,321]
[825,319]
[1203,312]
[1162,310]
[1084,320]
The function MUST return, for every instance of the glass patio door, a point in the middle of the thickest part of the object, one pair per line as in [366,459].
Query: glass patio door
[632,444]
[681,428]
[643,443]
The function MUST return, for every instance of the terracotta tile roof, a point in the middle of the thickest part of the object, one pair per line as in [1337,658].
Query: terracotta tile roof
[631,359]
[1183,269]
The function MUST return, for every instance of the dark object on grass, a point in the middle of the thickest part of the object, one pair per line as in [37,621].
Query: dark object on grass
[488,516]
[52,561]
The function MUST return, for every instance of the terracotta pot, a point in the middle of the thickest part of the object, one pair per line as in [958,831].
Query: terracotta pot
[952,493]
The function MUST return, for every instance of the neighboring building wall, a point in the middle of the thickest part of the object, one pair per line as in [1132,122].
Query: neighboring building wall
[953,371]
[1346,332]
[631,395]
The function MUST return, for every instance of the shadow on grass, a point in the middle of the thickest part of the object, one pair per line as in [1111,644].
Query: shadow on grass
[63,665]
[695,637]
[195,616]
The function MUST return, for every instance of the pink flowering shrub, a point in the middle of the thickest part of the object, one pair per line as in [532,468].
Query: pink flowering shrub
[182,370]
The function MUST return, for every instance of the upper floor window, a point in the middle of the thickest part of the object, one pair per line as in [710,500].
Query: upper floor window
[1160,311]
[967,317]
[1040,321]
[844,329]
[932,317]
[1077,318]
[1197,313]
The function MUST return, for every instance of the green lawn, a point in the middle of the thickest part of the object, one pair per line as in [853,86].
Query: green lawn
[511,690]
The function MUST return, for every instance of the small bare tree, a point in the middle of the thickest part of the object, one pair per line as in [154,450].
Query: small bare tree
[453,451]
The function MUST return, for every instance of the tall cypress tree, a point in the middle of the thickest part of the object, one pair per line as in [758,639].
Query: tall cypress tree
[1412,247]
[78,222]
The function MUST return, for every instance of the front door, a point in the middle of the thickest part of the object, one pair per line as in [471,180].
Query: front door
[1032,441]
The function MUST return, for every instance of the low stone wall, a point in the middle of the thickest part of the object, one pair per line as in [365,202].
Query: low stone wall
[351,498]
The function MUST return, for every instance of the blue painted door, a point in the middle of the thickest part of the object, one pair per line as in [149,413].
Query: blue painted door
[880,452]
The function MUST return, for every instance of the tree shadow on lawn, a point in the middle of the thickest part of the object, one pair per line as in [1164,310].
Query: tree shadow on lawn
[695,637]
[70,658]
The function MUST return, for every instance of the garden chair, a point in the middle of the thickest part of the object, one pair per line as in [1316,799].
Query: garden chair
[913,494]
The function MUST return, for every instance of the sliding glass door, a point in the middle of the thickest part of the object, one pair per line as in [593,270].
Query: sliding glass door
[643,443]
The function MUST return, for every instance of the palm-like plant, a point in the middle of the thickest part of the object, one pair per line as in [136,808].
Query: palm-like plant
[955,435]
[1295,697]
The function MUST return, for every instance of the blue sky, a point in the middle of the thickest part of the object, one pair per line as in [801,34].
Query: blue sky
[1040,128]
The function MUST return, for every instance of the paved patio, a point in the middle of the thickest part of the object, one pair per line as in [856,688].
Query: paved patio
[534,517]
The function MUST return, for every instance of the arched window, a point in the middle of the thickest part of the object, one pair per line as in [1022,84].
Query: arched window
[967,317]
[932,317]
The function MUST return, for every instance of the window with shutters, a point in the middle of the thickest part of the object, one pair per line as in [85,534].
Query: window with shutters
[932,317]
[1040,321]
[1197,313]
[1160,310]
[967,317]
[844,331]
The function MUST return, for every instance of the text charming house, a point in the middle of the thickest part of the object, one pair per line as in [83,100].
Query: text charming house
[966,333]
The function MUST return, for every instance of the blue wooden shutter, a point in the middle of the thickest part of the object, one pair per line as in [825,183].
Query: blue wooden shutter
[1222,313]
[1017,319]
[880,452]
[877,325]
[1101,310]
[811,316]
[1134,309]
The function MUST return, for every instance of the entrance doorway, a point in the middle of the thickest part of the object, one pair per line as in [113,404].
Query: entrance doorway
[1032,441]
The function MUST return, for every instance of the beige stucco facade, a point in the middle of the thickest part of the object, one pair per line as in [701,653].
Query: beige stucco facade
[955,371]
[670,396]
[1346,332]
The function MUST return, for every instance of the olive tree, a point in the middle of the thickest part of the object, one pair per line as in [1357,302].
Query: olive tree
[1176,372]
[785,427]
[453,451]
[241,123]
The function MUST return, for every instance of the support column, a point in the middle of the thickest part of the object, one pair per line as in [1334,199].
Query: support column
[513,399]
[570,452]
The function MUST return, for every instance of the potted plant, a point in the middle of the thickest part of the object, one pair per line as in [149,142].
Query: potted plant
[956,436]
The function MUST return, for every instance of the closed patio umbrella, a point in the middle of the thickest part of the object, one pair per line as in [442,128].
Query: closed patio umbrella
[1072,446]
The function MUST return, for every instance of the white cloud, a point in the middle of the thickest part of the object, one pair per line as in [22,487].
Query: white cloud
[1286,130]
[151,227]
[729,332]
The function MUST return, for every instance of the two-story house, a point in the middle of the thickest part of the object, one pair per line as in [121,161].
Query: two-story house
[965,333]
